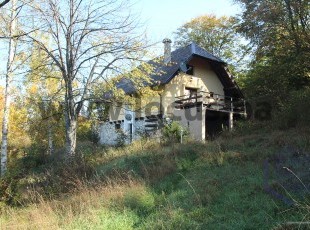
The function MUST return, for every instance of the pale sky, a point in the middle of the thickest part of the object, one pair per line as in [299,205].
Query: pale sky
[162,17]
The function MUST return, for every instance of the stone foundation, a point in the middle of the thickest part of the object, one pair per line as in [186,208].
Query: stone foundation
[116,133]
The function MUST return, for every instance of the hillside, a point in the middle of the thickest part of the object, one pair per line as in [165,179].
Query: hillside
[251,179]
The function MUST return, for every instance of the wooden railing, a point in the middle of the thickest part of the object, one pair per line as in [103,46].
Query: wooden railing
[212,101]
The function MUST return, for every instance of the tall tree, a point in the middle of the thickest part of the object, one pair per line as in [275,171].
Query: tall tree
[217,35]
[270,21]
[89,40]
[280,32]
[8,79]
[44,92]
[18,137]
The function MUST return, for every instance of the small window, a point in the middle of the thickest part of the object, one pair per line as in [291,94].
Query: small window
[117,126]
[190,70]
[191,92]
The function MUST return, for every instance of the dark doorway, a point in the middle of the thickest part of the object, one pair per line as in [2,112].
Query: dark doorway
[215,123]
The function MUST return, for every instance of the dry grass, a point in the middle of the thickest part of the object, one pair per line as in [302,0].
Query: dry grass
[63,213]
[149,186]
[136,148]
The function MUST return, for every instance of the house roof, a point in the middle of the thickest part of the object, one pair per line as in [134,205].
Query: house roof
[163,73]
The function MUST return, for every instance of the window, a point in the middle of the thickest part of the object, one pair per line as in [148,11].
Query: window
[117,126]
[190,70]
[191,92]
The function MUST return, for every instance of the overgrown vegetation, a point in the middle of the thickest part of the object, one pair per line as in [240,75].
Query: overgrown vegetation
[217,185]
[279,32]
[173,132]
[256,177]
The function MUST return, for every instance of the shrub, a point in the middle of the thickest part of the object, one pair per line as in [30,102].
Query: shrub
[172,132]
[121,138]
[86,131]
[295,111]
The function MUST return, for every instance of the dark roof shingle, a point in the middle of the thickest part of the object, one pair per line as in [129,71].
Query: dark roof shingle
[163,73]
[183,54]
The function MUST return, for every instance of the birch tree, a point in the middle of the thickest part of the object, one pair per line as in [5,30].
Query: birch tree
[90,40]
[8,79]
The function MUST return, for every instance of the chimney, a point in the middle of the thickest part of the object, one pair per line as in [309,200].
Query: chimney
[167,51]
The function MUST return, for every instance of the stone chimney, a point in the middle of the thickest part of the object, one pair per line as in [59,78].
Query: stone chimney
[167,51]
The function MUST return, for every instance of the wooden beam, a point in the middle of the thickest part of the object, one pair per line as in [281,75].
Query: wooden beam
[231,115]
[231,121]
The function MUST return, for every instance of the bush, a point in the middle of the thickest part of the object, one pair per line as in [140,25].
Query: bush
[172,132]
[295,111]
[121,138]
[86,131]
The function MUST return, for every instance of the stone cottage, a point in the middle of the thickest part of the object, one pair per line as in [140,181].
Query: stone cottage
[194,87]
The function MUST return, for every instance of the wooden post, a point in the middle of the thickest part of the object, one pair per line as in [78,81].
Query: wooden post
[231,115]
[181,136]
[245,112]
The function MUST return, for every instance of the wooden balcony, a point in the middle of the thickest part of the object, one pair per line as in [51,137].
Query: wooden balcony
[212,101]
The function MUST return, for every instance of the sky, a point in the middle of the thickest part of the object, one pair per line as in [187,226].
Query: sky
[161,18]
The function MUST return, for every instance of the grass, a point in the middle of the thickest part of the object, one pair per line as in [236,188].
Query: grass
[217,185]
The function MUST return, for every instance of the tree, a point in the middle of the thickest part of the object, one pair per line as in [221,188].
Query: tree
[18,137]
[4,2]
[280,32]
[89,41]
[8,79]
[44,92]
[217,35]
[266,23]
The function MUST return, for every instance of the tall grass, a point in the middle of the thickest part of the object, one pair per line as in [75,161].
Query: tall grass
[213,185]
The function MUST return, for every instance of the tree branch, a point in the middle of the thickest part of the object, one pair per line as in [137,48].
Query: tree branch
[4,3]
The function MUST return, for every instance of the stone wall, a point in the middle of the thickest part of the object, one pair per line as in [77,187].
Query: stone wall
[116,133]
[108,133]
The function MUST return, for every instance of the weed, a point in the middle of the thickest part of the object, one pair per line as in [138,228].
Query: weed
[216,185]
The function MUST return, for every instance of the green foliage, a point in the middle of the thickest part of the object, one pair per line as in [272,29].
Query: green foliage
[295,111]
[172,132]
[108,96]
[18,167]
[18,135]
[106,219]
[217,35]
[140,200]
[121,138]
[42,99]
[213,185]
[279,32]
[276,24]
[47,176]
[86,131]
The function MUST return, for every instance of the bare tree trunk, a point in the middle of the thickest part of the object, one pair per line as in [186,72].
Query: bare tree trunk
[71,128]
[50,137]
[71,115]
[88,42]
[7,96]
